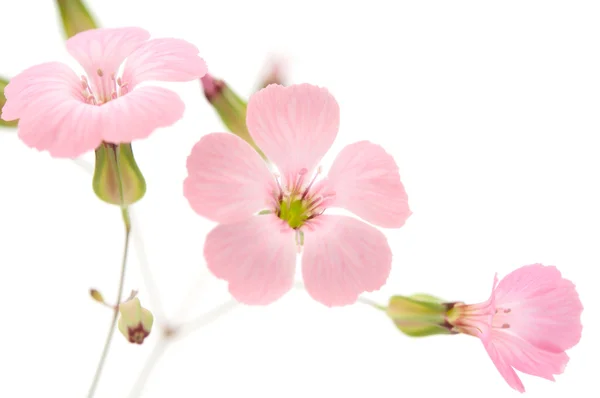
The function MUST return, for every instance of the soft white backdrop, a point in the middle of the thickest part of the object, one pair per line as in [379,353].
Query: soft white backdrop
[491,111]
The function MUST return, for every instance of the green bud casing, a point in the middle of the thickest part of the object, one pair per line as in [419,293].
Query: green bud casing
[117,177]
[419,315]
[75,17]
[3,123]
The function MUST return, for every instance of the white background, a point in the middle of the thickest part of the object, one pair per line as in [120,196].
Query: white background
[491,111]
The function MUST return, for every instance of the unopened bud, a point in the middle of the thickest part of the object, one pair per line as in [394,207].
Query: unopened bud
[75,17]
[135,322]
[97,296]
[230,108]
[117,177]
[419,315]
[4,123]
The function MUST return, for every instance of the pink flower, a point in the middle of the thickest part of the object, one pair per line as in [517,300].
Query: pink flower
[69,115]
[531,318]
[229,183]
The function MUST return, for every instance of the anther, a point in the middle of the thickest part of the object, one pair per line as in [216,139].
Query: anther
[100,73]
[505,326]
[506,311]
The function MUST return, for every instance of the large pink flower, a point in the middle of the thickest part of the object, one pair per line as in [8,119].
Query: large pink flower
[69,115]
[229,183]
[532,317]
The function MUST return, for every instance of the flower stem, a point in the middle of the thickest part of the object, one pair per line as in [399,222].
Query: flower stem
[113,322]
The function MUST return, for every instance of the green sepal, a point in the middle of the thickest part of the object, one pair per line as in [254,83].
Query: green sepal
[3,123]
[75,17]
[117,177]
[418,315]
[232,111]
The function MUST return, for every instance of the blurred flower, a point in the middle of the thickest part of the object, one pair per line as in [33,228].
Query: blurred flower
[229,183]
[419,315]
[3,83]
[135,322]
[229,106]
[275,73]
[75,17]
[530,320]
[68,116]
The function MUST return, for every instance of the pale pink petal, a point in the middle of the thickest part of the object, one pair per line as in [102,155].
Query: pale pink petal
[503,367]
[366,181]
[71,129]
[138,113]
[343,258]
[256,256]
[527,358]
[294,126]
[172,60]
[102,51]
[227,180]
[39,89]
[545,309]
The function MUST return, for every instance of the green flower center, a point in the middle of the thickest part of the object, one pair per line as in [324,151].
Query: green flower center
[295,212]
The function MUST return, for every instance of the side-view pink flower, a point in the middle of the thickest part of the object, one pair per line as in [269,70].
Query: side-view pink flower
[266,219]
[68,115]
[532,317]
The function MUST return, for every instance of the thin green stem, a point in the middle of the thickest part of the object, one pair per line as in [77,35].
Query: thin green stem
[113,323]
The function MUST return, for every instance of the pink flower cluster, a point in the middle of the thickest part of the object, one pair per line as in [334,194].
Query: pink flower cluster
[267,215]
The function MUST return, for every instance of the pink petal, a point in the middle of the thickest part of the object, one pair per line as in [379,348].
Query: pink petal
[102,51]
[527,358]
[256,256]
[504,368]
[227,180]
[344,257]
[71,129]
[294,126]
[39,89]
[138,113]
[545,307]
[366,181]
[171,60]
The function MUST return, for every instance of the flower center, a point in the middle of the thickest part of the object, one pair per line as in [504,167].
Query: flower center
[297,203]
[294,212]
[138,334]
[107,88]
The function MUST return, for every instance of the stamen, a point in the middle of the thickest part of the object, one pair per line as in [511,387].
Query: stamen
[319,170]
[100,73]
[299,180]
[277,177]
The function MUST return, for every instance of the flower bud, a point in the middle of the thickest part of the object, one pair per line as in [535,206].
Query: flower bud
[117,177]
[419,315]
[75,17]
[3,123]
[230,108]
[135,322]
[97,296]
